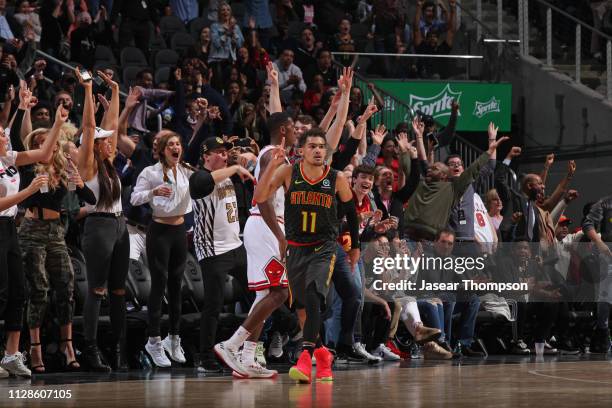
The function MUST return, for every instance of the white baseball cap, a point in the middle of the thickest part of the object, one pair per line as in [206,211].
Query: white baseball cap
[99,134]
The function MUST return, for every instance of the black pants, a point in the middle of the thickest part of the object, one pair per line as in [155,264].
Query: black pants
[106,246]
[375,325]
[12,279]
[135,30]
[167,255]
[541,314]
[214,272]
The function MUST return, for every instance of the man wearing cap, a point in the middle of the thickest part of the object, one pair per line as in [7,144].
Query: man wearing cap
[216,238]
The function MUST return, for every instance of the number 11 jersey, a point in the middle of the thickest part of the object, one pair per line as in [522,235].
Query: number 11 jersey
[311,213]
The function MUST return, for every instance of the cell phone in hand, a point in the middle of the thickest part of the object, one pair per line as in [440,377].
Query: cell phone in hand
[86,75]
[98,81]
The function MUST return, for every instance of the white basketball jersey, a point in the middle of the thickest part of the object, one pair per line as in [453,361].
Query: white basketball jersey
[216,229]
[483,228]
[279,197]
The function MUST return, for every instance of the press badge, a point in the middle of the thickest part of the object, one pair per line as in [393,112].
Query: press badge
[462,220]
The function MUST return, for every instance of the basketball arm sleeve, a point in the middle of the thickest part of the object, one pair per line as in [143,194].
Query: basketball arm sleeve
[353,222]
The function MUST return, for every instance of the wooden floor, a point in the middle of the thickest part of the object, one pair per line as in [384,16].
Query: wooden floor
[578,382]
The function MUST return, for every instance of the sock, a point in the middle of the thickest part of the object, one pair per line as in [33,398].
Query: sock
[238,338]
[248,351]
[411,317]
[309,347]
[154,340]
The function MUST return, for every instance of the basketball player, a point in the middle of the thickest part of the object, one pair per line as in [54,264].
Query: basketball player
[264,240]
[314,193]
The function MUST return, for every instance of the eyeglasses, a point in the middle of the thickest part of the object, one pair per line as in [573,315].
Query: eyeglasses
[455,164]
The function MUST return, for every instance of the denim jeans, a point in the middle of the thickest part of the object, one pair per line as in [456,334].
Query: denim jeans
[432,316]
[345,302]
[468,311]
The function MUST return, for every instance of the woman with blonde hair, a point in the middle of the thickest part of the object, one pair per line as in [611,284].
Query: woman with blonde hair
[165,187]
[494,207]
[47,263]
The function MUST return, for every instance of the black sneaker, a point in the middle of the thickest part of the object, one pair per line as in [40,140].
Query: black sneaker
[566,347]
[209,364]
[468,351]
[519,348]
[348,355]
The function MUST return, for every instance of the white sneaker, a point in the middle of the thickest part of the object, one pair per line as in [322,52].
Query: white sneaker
[174,349]
[3,373]
[260,354]
[255,370]
[386,354]
[276,345]
[15,365]
[156,351]
[361,350]
[230,357]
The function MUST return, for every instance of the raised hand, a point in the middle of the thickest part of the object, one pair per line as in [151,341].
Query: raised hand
[61,115]
[492,130]
[402,142]
[346,80]
[550,159]
[133,97]
[418,127]
[570,196]
[494,143]
[378,134]
[84,84]
[103,101]
[24,95]
[571,168]
[108,80]
[370,110]
[515,151]
[272,74]
[279,154]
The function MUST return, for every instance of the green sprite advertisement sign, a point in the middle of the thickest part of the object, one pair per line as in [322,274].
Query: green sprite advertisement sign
[480,103]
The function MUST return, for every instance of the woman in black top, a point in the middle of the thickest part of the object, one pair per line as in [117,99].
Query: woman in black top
[47,263]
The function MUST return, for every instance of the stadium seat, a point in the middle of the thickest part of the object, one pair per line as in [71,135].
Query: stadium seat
[132,57]
[105,54]
[162,74]
[181,42]
[139,283]
[129,75]
[169,25]
[166,58]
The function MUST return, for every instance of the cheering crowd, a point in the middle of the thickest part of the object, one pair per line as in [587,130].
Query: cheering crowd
[282,176]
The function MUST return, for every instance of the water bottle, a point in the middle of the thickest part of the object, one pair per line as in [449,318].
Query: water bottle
[45,187]
[71,183]
[145,363]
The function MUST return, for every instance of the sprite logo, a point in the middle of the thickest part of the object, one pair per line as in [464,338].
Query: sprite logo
[436,106]
[483,108]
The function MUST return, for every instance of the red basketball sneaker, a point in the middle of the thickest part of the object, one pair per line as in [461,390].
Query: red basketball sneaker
[393,347]
[302,370]
[325,360]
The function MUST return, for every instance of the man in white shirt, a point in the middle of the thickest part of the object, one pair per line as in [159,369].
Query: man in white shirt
[290,76]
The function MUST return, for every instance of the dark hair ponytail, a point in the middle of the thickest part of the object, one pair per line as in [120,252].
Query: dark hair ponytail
[108,180]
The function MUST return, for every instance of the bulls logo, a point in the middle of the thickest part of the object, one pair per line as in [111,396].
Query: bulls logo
[275,271]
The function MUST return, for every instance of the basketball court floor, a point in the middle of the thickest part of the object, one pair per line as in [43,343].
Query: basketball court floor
[580,381]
